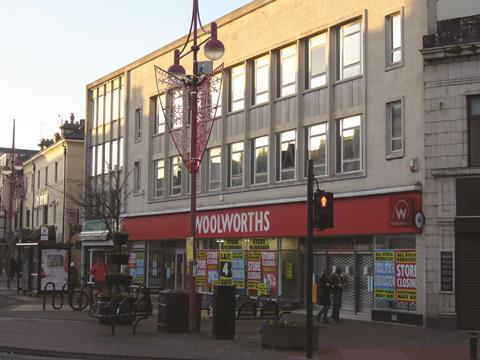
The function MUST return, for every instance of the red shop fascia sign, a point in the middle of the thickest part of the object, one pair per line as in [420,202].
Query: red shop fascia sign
[369,215]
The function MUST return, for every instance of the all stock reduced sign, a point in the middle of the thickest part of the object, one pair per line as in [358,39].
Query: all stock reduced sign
[395,275]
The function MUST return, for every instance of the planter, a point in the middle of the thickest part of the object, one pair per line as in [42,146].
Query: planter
[119,259]
[119,238]
[288,337]
[117,280]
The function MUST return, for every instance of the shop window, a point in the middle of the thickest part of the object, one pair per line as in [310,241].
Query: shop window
[316,148]
[394,129]
[349,144]
[350,50]
[176,177]
[395,273]
[286,155]
[214,168]
[394,38]
[474,130]
[158,178]
[317,61]
[261,79]
[235,163]
[237,88]
[288,71]
[260,160]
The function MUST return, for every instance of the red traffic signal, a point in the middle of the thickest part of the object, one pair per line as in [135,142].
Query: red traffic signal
[322,210]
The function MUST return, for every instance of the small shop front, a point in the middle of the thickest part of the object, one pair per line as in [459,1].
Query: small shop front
[261,250]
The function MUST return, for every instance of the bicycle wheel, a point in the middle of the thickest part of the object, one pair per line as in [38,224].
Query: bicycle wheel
[78,300]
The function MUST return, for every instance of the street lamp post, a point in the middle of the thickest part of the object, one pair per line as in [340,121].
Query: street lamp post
[214,50]
[11,172]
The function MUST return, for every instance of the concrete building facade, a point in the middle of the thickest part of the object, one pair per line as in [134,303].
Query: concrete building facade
[338,82]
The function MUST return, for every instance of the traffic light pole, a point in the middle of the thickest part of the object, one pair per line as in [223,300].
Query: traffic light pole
[309,319]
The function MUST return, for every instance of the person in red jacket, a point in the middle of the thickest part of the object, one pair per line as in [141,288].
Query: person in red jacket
[98,271]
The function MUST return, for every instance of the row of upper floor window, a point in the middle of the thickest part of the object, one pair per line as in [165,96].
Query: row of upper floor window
[42,178]
[106,157]
[229,167]
[108,102]
[347,45]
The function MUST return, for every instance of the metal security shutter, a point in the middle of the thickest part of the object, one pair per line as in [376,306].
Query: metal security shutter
[468,280]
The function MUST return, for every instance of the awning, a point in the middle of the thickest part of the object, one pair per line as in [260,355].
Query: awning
[95,238]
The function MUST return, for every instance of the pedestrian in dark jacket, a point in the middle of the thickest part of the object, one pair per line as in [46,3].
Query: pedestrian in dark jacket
[338,283]
[323,297]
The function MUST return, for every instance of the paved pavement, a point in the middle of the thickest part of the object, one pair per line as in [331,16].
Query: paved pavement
[26,330]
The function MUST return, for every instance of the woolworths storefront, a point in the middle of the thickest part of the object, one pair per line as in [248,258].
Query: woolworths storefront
[261,250]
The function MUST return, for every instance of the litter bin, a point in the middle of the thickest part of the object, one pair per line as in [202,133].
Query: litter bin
[173,311]
[224,312]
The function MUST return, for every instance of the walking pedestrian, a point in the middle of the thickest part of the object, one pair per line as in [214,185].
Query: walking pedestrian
[98,272]
[323,297]
[338,283]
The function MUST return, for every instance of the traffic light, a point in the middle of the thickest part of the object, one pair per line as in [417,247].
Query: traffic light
[322,210]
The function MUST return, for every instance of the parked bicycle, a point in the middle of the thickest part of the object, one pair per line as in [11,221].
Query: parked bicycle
[79,299]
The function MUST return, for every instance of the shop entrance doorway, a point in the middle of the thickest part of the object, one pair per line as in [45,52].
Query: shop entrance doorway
[357,270]
[93,255]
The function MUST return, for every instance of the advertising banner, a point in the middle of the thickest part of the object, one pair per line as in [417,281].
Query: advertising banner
[212,267]
[406,276]
[269,271]
[201,268]
[254,271]
[54,268]
[238,269]
[226,268]
[384,273]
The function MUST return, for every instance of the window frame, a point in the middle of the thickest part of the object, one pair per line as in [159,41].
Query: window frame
[137,187]
[231,152]
[280,141]
[309,57]
[389,40]
[158,192]
[138,124]
[472,118]
[308,139]
[237,104]
[282,88]
[341,52]
[390,152]
[340,163]
[254,160]
[159,120]
[216,184]
[174,162]
[260,63]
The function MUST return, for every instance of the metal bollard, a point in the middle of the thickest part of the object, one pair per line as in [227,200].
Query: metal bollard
[473,345]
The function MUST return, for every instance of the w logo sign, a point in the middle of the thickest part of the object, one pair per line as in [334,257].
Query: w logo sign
[401,211]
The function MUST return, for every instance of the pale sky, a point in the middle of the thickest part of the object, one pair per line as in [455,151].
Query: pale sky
[50,50]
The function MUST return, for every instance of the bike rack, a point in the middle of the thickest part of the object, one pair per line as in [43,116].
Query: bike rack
[54,295]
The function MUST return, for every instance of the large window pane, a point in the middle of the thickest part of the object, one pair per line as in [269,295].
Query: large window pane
[288,70]
[176,171]
[260,161]
[287,155]
[348,144]
[317,148]
[236,164]
[99,159]
[116,104]
[108,105]
[216,94]
[318,64]
[158,178]
[261,79]
[396,126]
[115,154]
[351,50]
[237,91]
[396,38]
[159,114]
[214,168]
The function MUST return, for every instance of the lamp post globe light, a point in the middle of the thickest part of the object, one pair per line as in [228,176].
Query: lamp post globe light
[202,114]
